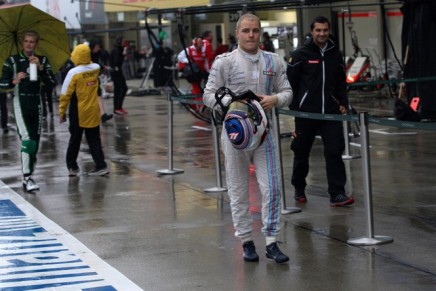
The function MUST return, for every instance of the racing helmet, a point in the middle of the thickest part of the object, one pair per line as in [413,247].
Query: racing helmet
[246,124]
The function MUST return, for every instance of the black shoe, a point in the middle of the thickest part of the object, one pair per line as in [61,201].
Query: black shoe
[340,200]
[273,252]
[105,117]
[250,254]
[5,130]
[300,196]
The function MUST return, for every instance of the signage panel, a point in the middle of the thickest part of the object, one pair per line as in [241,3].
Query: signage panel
[134,5]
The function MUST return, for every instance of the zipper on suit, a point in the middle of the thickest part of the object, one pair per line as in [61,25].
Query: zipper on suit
[303,98]
[323,82]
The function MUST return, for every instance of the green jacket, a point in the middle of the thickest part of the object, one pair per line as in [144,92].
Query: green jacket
[28,91]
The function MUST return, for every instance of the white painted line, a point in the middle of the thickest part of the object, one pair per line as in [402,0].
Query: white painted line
[382,131]
[36,252]
[54,267]
[201,128]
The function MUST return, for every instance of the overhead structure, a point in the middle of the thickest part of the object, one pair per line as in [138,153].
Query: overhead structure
[269,5]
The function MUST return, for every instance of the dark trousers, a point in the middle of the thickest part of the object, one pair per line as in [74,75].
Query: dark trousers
[93,138]
[47,99]
[334,144]
[4,110]
[120,89]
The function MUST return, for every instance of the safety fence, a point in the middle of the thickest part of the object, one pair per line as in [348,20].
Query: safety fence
[392,81]
[363,118]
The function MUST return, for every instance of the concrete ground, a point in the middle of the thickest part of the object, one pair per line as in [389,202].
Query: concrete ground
[164,232]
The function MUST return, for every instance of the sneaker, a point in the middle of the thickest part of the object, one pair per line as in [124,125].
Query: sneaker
[105,117]
[250,254]
[273,252]
[118,112]
[300,196]
[341,200]
[100,172]
[73,172]
[123,111]
[29,185]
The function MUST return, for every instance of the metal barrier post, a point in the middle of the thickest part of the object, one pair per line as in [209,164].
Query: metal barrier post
[346,155]
[149,67]
[216,151]
[370,239]
[170,170]
[276,125]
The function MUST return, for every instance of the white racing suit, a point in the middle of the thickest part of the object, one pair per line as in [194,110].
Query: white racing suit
[264,74]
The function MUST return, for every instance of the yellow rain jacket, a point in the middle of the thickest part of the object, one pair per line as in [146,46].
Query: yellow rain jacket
[79,90]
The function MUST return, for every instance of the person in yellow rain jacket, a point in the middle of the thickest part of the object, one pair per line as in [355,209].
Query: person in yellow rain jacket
[79,93]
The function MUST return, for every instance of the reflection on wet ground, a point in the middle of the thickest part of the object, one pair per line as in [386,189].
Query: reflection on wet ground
[165,233]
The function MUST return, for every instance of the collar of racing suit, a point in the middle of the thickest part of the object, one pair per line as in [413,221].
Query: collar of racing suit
[254,58]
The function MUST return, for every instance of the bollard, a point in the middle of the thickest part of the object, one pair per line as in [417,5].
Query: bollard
[370,239]
[170,170]
[346,155]
[216,151]
[276,125]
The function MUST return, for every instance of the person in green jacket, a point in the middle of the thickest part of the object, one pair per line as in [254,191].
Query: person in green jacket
[27,101]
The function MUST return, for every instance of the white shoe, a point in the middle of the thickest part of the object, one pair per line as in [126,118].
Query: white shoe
[73,172]
[29,185]
[101,172]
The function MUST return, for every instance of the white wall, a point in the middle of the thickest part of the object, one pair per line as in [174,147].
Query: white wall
[61,9]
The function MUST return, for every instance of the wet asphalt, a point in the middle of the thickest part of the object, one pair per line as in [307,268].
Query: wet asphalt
[164,232]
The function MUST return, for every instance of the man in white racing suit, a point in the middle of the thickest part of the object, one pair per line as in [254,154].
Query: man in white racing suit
[264,73]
